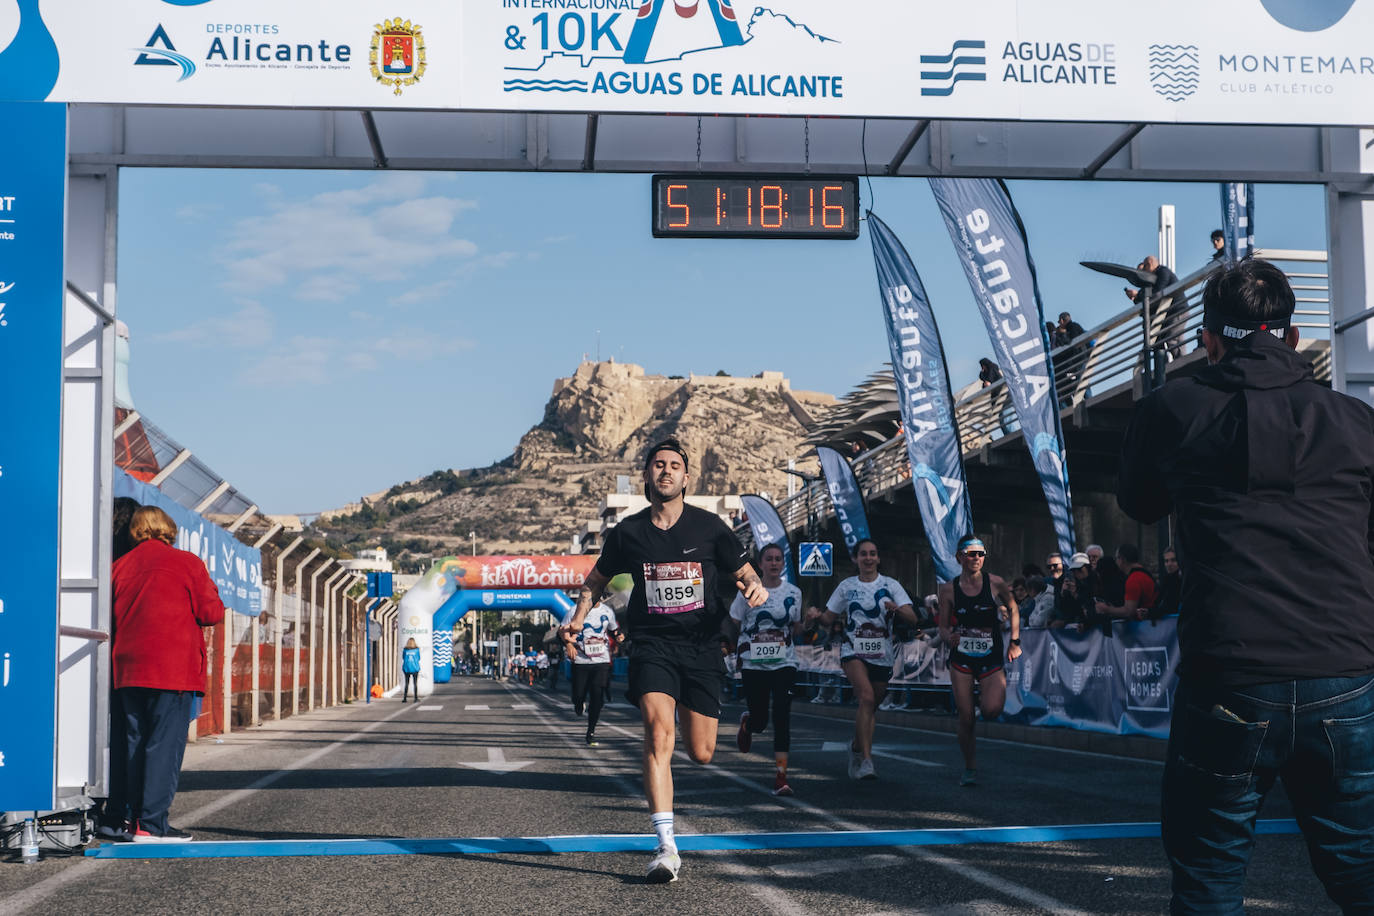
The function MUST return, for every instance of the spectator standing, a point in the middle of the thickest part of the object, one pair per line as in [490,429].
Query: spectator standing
[162,598]
[1111,584]
[1174,310]
[1067,331]
[1218,246]
[1040,602]
[1269,474]
[410,669]
[988,372]
[1138,589]
[1077,594]
[1170,587]
[1054,568]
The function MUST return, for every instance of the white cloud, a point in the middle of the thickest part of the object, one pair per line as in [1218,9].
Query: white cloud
[335,242]
[307,360]
[251,326]
[304,361]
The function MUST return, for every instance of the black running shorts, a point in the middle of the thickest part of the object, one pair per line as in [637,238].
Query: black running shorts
[691,673]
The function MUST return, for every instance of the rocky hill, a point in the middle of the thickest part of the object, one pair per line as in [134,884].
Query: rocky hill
[739,434]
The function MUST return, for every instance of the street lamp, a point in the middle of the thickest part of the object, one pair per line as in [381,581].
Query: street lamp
[1152,357]
[1144,280]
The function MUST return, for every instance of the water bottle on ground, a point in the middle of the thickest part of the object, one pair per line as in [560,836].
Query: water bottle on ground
[28,842]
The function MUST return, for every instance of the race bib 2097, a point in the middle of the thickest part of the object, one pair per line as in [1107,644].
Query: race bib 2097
[674,588]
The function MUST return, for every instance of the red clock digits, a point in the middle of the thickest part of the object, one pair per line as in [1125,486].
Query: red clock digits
[686,210]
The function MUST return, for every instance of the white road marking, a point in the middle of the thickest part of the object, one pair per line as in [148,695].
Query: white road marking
[429,708]
[688,793]
[471,707]
[496,762]
[878,751]
[771,897]
[1020,744]
[523,706]
[1010,889]
[833,865]
[22,900]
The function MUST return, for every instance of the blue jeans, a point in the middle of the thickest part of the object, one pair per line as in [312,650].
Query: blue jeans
[1226,748]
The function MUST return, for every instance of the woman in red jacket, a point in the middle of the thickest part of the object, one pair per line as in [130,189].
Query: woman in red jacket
[162,599]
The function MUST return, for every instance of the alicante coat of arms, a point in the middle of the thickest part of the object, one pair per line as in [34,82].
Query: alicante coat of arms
[398,53]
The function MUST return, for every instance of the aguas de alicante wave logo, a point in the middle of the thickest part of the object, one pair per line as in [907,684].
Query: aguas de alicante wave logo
[630,47]
[1174,70]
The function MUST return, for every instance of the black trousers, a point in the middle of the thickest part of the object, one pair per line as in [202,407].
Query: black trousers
[154,724]
[759,688]
[412,682]
[589,684]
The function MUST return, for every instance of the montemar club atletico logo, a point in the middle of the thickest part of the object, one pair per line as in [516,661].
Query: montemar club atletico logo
[398,53]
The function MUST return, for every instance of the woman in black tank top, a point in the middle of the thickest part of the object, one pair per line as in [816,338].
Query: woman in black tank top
[971,625]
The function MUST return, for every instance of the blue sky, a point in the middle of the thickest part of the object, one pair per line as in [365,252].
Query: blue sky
[314,336]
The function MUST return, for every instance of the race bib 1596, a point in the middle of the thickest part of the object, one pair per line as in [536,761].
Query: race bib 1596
[674,588]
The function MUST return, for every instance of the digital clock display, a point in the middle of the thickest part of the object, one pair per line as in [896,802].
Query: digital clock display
[758,207]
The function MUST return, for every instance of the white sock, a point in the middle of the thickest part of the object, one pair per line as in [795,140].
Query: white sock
[663,826]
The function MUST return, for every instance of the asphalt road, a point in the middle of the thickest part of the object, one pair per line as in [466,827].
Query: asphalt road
[403,770]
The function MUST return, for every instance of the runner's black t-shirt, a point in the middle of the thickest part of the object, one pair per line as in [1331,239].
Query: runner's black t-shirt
[679,573]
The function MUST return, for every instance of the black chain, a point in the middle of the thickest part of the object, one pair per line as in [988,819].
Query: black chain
[698,144]
[807,129]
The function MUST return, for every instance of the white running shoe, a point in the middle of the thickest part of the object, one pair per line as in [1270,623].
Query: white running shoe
[664,867]
[866,770]
[856,760]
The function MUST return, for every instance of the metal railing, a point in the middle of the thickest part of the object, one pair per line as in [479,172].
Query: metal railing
[1098,364]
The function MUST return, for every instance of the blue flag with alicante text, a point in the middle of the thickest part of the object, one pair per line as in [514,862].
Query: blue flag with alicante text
[991,242]
[767,528]
[927,405]
[845,496]
[1238,220]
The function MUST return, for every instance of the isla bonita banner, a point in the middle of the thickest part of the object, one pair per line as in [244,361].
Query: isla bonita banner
[1227,61]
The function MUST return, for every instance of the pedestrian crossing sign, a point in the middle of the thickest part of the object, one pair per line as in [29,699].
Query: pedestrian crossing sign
[816,558]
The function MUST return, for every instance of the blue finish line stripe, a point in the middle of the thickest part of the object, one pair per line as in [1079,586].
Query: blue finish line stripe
[705,842]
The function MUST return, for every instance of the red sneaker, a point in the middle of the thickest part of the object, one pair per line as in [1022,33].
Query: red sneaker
[780,786]
[744,739]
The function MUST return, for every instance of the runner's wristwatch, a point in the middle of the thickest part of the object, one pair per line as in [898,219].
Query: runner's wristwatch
[1016,642]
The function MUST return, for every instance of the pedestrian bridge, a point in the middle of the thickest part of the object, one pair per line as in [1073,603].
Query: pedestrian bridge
[1098,376]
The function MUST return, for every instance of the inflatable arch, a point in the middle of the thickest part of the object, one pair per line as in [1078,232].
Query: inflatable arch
[455,585]
[540,599]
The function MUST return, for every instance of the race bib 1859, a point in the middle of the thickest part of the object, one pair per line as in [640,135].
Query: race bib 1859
[674,588]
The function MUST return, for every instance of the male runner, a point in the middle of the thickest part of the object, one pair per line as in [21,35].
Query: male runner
[971,624]
[768,660]
[677,555]
[590,647]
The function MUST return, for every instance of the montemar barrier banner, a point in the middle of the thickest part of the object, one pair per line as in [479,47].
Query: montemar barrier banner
[1294,62]
[923,394]
[767,528]
[845,496]
[1238,220]
[991,242]
[1120,685]
[235,567]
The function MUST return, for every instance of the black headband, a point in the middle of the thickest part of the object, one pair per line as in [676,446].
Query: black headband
[669,445]
[1234,328]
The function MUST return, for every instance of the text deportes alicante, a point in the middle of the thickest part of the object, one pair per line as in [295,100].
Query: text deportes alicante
[244,49]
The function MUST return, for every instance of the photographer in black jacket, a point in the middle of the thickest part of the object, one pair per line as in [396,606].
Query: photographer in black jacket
[1270,474]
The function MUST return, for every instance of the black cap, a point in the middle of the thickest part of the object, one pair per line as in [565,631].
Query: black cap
[667,445]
